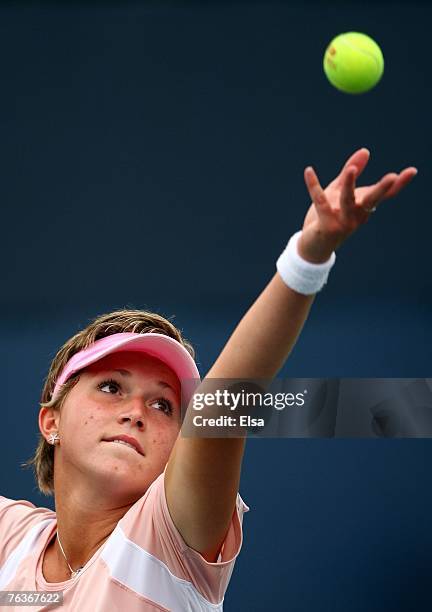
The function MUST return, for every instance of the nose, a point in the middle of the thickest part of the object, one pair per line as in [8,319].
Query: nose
[133,413]
[134,420]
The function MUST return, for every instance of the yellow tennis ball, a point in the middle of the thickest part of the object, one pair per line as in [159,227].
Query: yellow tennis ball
[353,62]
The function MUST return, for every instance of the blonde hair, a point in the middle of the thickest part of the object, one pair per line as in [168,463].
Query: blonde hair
[139,321]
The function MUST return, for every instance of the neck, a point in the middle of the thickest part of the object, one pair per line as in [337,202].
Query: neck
[73,571]
[84,523]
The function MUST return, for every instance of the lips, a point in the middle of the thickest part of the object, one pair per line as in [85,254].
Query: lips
[129,439]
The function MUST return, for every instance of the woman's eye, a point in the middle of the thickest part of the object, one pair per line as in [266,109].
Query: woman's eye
[165,404]
[109,383]
[110,387]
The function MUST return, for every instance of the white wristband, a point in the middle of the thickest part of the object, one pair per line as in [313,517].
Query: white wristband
[301,275]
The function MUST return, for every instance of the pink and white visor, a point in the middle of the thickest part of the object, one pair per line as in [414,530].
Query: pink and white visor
[160,346]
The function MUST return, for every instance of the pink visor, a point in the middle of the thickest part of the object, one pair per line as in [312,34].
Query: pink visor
[160,346]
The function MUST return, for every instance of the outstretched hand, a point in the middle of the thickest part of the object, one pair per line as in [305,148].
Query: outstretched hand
[338,210]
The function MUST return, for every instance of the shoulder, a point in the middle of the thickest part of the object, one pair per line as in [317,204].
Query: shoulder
[150,515]
[22,511]
[18,517]
[148,534]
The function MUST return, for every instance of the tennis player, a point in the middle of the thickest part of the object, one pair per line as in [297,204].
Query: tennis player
[147,519]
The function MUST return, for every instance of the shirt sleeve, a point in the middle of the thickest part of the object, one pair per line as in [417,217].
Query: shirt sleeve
[151,526]
[16,518]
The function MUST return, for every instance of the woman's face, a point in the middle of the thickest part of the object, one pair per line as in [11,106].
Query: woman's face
[142,401]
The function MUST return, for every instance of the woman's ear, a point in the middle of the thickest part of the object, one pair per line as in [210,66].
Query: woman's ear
[49,420]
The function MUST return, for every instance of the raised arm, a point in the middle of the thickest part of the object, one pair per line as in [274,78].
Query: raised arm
[203,474]
[268,332]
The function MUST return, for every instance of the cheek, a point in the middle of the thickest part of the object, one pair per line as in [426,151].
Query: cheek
[84,422]
[163,440]
[93,413]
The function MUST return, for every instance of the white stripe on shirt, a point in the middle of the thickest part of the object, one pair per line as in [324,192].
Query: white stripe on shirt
[148,576]
[25,547]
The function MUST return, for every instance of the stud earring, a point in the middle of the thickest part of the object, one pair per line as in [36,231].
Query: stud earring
[54,438]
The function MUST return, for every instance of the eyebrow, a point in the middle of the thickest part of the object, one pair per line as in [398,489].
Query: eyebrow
[161,383]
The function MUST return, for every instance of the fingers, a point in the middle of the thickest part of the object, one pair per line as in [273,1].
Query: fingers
[359,159]
[405,177]
[347,197]
[316,192]
[389,186]
[377,193]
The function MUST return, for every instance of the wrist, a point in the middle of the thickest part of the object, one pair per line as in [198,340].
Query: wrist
[314,246]
[303,276]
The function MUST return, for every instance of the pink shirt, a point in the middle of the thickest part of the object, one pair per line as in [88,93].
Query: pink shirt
[145,565]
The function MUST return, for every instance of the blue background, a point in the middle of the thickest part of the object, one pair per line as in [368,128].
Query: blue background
[152,156]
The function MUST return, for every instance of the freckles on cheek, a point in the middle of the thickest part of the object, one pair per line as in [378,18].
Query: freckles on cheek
[161,444]
[164,441]
[160,448]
